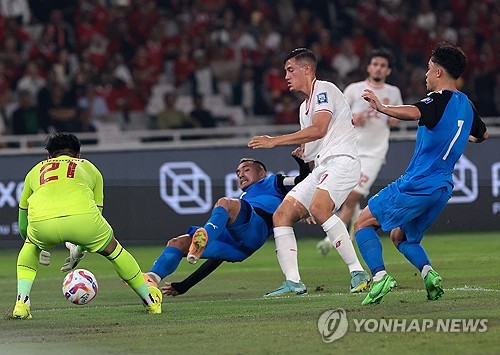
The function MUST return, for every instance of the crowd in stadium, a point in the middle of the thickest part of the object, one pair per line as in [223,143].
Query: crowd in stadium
[71,65]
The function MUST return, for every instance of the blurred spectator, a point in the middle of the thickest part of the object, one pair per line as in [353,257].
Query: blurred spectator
[346,60]
[32,81]
[59,109]
[202,78]
[287,111]
[6,110]
[25,119]
[200,117]
[95,105]
[247,93]
[65,67]
[60,31]
[17,9]
[171,117]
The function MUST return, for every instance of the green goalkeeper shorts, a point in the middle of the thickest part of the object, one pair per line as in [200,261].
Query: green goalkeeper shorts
[91,231]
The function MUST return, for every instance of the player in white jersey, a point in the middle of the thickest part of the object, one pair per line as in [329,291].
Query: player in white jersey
[328,140]
[373,130]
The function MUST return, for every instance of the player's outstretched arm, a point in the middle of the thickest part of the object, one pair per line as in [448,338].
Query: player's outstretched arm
[179,288]
[401,112]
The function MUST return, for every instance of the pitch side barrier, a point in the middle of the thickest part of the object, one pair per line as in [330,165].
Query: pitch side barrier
[152,196]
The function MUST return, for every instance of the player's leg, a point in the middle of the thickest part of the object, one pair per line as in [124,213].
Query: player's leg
[27,267]
[336,182]
[225,212]
[102,241]
[171,256]
[289,212]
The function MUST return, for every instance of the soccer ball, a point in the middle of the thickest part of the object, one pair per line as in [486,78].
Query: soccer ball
[80,286]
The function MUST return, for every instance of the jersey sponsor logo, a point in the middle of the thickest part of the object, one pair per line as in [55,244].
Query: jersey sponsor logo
[322,98]
[427,100]
[185,187]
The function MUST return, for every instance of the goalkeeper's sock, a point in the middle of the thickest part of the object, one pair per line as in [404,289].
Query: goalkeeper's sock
[216,223]
[27,267]
[167,262]
[370,248]
[415,253]
[129,271]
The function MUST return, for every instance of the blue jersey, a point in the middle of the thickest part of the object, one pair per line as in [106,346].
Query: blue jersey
[447,120]
[265,194]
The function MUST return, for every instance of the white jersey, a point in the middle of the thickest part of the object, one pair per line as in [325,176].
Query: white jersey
[373,137]
[340,138]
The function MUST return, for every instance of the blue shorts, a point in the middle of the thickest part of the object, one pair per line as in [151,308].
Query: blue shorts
[240,239]
[414,214]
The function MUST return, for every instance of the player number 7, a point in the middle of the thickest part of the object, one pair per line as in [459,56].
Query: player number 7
[460,124]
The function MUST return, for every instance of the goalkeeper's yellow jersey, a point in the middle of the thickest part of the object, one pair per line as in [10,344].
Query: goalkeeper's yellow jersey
[62,186]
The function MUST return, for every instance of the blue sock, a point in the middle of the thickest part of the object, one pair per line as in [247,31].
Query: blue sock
[370,248]
[216,223]
[167,262]
[415,253]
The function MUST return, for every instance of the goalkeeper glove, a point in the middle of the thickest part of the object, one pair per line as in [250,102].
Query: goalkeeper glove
[74,258]
[44,258]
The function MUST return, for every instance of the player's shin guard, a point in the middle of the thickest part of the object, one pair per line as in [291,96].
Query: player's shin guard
[27,267]
[167,262]
[370,248]
[415,253]
[129,271]
[216,223]
[336,231]
[286,251]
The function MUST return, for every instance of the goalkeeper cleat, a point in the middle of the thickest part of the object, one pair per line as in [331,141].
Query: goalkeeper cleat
[44,258]
[359,281]
[75,256]
[198,244]
[324,246]
[379,289]
[433,286]
[155,296]
[149,280]
[21,310]
[288,288]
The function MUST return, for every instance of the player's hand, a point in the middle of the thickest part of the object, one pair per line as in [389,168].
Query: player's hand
[310,220]
[44,258]
[75,256]
[169,290]
[298,152]
[358,119]
[372,99]
[262,142]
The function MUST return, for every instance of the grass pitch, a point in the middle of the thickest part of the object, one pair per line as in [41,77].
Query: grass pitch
[226,313]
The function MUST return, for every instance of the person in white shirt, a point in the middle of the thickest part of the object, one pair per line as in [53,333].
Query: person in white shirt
[328,139]
[373,130]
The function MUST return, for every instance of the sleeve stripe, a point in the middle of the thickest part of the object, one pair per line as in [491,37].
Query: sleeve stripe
[323,110]
[22,208]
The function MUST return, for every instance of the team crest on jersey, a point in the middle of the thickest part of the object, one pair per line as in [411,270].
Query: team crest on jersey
[322,98]
[427,100]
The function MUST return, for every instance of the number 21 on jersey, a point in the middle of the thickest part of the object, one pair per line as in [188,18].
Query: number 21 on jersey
[46,175]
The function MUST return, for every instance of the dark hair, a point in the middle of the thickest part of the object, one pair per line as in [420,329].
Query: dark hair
[252,160]
[59,143]
[381,52]
[451,58]
[303,54]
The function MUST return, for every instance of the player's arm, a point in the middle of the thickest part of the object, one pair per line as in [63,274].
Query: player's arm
[401,112]
[320,121]
[478,131]
[178,288]
[99,190]
[286,183]
[22,219]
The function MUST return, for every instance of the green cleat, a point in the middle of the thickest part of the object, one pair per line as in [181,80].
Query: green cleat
[359,281]
[155,294]
[433,286]
[21,311]
[379,289]
[289,288]
[198,244]
[324,246]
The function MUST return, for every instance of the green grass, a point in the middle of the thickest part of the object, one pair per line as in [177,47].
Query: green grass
[226,313]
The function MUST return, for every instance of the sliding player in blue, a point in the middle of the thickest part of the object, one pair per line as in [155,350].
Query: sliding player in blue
[408,207]
[237,227]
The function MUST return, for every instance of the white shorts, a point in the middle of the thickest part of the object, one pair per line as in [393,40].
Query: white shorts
[338,175]
[370,167]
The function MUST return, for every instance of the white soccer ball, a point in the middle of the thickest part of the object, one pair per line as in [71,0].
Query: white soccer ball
[80,286]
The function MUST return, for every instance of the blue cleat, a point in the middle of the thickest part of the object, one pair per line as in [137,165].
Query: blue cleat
[288,288]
